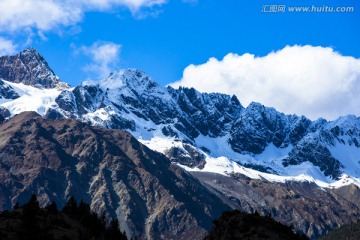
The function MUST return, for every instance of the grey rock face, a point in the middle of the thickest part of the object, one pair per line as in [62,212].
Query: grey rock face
[187,156]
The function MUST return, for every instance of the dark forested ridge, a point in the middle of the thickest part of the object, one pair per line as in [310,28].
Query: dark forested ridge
[346,232]
[241,225]
[73,222]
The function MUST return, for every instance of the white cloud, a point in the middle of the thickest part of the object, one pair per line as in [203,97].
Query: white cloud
[40,14]
[7,47]
[104,57]
[313,81]
[45,15]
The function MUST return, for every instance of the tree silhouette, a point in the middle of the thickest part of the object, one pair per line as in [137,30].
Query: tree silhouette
[113,231]
[70,206]
[30,225]
[52,208]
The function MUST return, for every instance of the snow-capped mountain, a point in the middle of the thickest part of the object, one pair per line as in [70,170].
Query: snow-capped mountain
[214,132]
[200,131]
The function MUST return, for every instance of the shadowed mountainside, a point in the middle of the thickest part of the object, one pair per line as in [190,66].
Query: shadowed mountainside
[109,169]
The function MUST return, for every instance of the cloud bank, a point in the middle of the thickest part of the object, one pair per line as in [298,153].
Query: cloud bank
[45,15]
[306,80]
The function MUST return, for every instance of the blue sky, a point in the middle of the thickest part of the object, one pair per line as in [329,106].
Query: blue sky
[164,37]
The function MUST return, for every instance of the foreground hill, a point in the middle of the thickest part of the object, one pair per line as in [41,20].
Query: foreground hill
[109,169]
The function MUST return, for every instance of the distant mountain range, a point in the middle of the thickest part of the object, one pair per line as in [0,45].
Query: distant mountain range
[211,135]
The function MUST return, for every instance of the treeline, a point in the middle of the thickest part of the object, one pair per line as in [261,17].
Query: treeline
[73,222]
[241,225]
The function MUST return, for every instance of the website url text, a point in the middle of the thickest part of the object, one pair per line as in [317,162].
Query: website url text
[304,9]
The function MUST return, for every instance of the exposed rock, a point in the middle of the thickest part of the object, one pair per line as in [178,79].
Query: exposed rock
[186,155]
[4,112]
[7,92]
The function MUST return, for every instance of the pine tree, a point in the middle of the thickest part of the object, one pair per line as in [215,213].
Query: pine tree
[113,231]
[70,206]
[52,208]
[30,228]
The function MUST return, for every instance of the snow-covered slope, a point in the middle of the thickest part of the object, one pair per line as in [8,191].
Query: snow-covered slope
[29,98]
[199,131]
[267,166]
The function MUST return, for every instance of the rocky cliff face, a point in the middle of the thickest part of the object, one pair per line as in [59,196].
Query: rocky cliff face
[110,169]
[30,68]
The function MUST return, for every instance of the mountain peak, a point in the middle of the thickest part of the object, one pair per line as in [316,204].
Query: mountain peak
[30,68]
[133,78]
[30,51]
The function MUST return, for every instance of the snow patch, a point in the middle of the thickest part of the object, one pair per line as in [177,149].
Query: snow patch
[349,157]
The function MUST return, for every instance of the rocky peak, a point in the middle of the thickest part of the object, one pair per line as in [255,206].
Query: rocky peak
[30,68]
